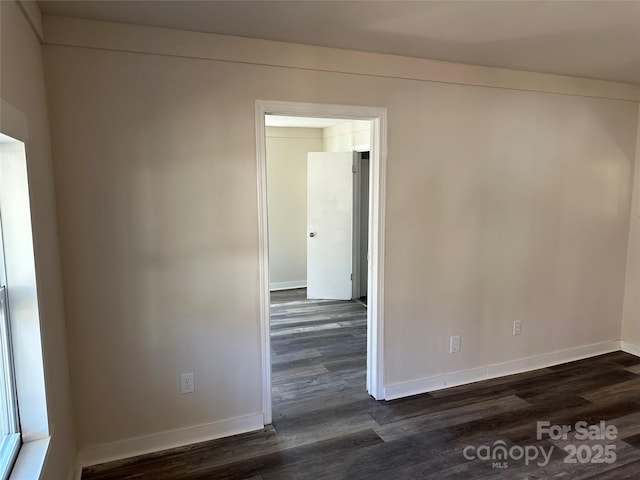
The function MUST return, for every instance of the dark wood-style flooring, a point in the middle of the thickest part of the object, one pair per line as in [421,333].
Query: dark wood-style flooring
[326,426]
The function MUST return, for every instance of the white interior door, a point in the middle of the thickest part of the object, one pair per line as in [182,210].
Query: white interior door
[329,225]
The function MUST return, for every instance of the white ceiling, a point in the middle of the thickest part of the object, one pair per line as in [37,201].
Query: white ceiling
[594,39]
[306,122]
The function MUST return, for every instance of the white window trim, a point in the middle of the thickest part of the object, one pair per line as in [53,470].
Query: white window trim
[25,328]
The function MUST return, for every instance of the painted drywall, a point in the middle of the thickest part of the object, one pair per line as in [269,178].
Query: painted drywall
[345,137]
[631,312]
[502,204]
[287,150]
[23,90]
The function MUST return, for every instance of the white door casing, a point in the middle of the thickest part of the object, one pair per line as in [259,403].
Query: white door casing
[377,182]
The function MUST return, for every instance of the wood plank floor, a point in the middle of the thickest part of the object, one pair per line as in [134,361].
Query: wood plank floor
[326,426]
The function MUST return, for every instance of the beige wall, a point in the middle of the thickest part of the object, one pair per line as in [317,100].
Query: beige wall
[631,314]
[344,137]
[501,204]
[23,88]
[287,150]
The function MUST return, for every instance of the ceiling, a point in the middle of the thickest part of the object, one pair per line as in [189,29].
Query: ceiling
[306,122]
[593,39]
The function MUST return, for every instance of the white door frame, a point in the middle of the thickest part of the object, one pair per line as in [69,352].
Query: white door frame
[375,297]
[357,230]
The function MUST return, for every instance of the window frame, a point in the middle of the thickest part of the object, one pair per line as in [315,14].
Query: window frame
[23,296]
[10,436]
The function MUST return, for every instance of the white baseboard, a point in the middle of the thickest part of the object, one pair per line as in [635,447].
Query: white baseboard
[186,436]
[162,441]
[453,379]
[629,347]
[76,474]
[273,286]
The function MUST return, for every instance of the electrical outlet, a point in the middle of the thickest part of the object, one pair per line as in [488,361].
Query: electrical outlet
[454,345]
[517,327]
[186,383]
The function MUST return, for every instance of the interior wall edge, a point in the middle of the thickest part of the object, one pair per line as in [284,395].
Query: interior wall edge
[31,12]
[25,117]
[630,321]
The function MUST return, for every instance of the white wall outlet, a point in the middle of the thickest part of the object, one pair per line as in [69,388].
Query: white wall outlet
[517,327]
[186,383]
[454,346]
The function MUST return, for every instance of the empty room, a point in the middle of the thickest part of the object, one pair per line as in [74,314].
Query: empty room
[319,239]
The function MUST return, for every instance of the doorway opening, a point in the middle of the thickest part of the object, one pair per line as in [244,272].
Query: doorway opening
[343,228]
